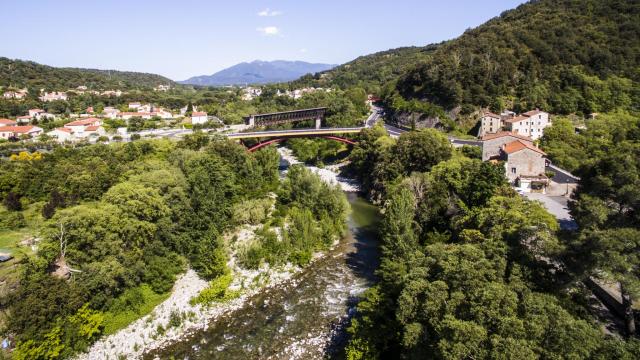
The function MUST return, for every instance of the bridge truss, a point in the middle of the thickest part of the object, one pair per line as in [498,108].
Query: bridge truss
[284,117]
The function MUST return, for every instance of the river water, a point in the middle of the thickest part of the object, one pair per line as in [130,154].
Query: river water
[303,318]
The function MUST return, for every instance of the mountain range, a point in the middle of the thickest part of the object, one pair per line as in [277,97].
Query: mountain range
[258,72]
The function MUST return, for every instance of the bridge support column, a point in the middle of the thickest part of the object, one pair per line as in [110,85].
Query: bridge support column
[318,123]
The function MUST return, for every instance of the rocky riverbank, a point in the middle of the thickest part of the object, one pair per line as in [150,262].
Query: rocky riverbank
[153,331]
[329,174]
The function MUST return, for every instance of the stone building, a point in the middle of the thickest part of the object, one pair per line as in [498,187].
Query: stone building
[524,162]
[492,143]
[490,123]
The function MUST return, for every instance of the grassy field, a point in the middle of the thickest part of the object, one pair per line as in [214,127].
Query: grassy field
[10,240]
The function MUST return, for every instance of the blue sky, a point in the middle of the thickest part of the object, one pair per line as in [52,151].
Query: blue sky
[185,38]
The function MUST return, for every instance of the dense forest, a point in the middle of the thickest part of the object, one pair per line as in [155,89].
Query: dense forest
[470,269]
[119,222]
[566,56]
[28,74]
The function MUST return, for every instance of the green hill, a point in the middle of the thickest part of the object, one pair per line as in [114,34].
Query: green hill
[19,74]
[566,56]
[370,71]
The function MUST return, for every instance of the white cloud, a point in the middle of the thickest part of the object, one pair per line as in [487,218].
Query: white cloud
[269,30]
[303,50]
[269,12]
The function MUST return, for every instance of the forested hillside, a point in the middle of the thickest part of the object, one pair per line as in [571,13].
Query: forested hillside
[567,56]
[369,71]
[21,74]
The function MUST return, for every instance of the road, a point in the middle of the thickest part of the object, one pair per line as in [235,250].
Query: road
[556,206]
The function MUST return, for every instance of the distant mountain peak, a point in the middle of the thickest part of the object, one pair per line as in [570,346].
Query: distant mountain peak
[259,72]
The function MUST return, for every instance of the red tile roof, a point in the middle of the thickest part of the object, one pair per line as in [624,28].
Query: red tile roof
[38,110]
[83,122]
[17,129]
[505,133]
[7,122]
[24,117]
[199,114]
[92,128]
[136,113]
[518,145]
[63,129]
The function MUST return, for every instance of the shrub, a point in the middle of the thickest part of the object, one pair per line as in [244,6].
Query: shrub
[12,220]
[217,291]
[175,319]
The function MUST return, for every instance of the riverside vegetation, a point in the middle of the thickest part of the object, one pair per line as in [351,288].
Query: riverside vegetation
[119,222]
[469,269]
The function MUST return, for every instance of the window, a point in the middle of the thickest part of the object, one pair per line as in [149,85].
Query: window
[513,170]
[539,116]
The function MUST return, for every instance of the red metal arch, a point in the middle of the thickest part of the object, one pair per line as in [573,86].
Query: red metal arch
[280,139]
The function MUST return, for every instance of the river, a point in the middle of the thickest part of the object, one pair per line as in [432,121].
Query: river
[303,318]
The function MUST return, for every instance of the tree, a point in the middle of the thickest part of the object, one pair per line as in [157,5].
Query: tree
[420,150]
[607,207]
[12,201]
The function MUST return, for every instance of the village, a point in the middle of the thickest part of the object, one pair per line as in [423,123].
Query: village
[508,137]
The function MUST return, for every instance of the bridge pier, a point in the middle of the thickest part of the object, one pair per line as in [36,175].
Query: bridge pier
[318,123]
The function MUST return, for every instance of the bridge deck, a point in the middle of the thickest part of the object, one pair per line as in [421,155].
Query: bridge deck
[294,133]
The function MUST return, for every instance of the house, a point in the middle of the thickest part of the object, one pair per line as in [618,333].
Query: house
[78,127]
[35,112]
[93,130]
[115,93]
[79,130]
[524,162]
[490,123]
[129,115]
[145,108]
[7,122]
[9,132]
[492,143]
[25,119]
[198,118]
[531,124]
[249,93]
[134,105]
[525,165]
[20,94]
[62,134]
[53,96]
[163,114]
[162,88]
[110,112]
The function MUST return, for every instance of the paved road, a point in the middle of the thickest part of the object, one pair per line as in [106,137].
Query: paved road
[289,132]
[562,176]
[394,131]
[556,206]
